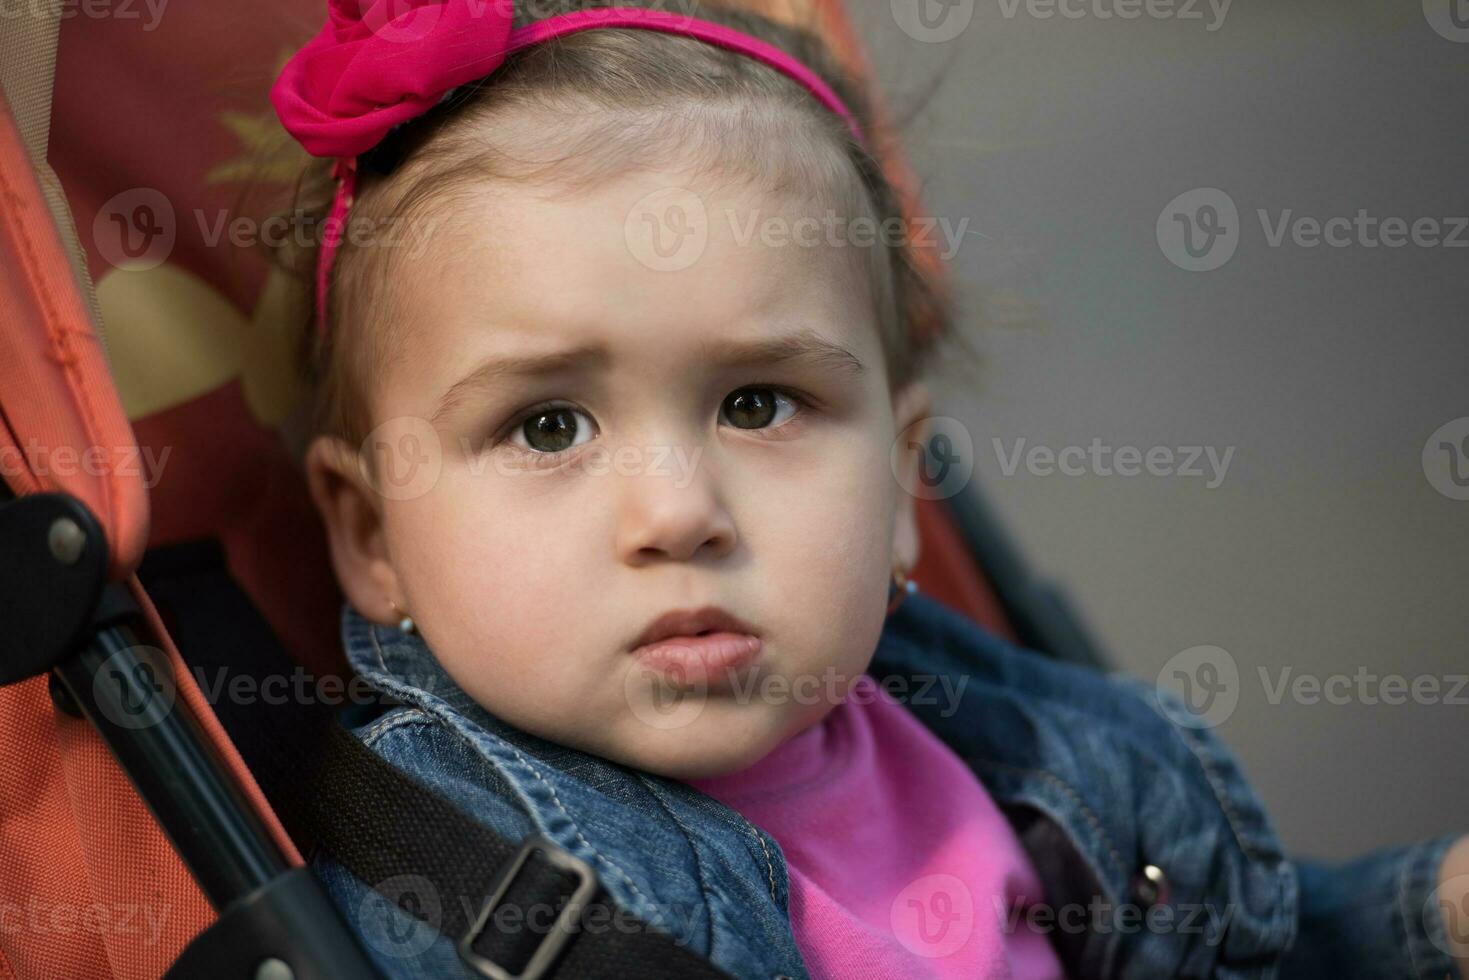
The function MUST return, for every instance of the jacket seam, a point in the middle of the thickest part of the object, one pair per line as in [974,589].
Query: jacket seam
[1213,778]
[413,716]
[698,864]
[576,829]
[754,832]
[1401,907]
[1223,798]
[769,862]
[1086,811]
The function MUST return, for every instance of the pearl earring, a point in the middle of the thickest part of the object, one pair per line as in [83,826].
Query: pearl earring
[405,624]
[902,586]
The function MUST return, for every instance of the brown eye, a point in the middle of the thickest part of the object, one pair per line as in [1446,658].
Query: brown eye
[553,430]
[755,408]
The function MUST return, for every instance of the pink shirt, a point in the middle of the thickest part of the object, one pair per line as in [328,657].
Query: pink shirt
[900,863]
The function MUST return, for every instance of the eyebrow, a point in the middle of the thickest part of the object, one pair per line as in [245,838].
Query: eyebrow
[804,347]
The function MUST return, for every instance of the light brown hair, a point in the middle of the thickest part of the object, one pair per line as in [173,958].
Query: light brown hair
[620,97]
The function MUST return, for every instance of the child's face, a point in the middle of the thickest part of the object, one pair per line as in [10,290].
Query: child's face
[530,576]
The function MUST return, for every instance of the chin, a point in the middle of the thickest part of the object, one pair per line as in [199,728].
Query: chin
[683,756]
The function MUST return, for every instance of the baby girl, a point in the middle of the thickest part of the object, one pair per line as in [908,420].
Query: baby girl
[614,482]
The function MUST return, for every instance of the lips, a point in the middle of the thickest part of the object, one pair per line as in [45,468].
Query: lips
[692,623]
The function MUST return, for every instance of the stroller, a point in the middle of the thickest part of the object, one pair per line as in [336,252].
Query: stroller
[159,548]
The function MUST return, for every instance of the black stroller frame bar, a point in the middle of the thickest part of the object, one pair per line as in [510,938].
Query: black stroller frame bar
[90,634]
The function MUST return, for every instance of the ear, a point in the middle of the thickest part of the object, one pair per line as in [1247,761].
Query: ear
[912,405]
[352,512]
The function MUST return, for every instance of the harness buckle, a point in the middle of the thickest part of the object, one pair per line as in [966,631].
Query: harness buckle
[561,930]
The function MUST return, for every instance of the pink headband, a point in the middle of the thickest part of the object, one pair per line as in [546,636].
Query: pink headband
[366,71]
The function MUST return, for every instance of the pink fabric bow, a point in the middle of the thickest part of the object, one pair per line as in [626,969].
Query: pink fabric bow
[377,63]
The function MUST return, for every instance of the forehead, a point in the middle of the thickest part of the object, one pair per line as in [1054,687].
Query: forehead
[654,266]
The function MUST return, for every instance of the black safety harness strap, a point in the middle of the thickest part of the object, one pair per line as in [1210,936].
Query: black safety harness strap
[526,910]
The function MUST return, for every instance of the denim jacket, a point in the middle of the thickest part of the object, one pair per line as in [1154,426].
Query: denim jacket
[1156,857]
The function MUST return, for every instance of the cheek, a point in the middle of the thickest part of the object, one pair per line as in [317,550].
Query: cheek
[824,534]
[838,501]
[490,567]
[501,578]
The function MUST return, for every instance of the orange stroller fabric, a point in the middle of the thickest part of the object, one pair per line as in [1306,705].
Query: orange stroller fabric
[88,885]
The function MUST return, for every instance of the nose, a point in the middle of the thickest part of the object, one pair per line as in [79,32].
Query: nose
[672,512]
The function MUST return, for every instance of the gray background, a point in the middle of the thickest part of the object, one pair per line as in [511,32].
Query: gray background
[1326,549]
